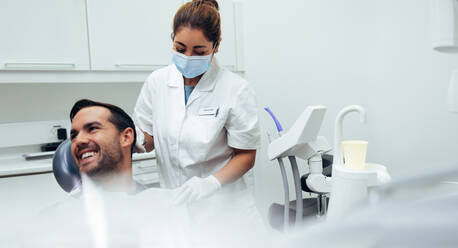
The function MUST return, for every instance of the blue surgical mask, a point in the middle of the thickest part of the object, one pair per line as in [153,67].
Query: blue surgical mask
[191,66]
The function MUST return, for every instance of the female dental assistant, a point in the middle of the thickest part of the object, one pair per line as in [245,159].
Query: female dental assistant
[200,118]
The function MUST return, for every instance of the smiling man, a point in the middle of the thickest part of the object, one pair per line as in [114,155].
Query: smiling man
[103,137]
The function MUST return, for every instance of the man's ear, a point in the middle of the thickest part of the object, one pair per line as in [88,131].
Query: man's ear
[127,137]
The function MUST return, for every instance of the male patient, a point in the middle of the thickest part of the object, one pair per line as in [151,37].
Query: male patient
[103,137]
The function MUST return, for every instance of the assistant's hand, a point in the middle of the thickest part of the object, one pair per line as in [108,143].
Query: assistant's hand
[195,189]
[139,144]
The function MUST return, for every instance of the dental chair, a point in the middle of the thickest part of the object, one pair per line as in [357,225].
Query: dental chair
[302,141]
[64,168]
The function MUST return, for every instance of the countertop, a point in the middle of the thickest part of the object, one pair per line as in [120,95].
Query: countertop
[16,165]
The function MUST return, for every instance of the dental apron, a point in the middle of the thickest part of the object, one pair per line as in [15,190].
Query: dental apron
[197,138]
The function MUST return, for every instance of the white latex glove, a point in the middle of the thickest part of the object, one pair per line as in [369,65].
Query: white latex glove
[195,189]
[139,146]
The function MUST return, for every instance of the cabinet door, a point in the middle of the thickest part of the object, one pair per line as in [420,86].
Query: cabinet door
[43,35]
[227,50]
[130,34]
[25,196]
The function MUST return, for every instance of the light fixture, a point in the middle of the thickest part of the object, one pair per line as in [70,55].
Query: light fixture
[444,25]
[444,31]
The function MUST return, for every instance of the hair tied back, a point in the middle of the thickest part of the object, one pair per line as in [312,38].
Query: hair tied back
[212,3]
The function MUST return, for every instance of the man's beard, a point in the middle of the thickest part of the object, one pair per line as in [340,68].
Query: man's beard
[109,160]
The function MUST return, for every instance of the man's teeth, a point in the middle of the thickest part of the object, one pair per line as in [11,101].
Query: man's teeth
[87,154]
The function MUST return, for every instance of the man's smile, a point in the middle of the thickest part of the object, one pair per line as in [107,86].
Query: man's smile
[87,155]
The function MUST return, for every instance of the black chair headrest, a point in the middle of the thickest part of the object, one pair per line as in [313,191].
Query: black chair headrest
[64,168]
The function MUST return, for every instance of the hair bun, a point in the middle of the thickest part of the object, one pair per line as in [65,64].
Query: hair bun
[212,3]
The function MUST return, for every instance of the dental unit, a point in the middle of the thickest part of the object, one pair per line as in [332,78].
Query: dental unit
[347,187]
[302,141]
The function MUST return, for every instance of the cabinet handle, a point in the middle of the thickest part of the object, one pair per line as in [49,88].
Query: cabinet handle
[54,66]
[138,66]
[147,180]
[143,181]
[145,166]
[229,67]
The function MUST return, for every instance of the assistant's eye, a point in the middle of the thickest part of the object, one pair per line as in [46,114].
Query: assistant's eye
[200,53]
[180,50]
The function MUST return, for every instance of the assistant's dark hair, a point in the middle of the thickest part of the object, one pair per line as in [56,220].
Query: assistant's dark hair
[118,117]
[200,14]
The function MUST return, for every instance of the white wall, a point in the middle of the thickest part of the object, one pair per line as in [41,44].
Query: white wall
[41,102]
[335,53]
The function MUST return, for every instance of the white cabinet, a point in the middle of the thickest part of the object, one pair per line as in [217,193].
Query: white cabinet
[130,35]
[98,40]
[136,35]
[24,196]
[145,172]
[227,50]
[43,35]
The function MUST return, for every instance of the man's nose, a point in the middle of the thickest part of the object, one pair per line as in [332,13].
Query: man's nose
[81,139]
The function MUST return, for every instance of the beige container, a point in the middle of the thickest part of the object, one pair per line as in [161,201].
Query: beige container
[354,154]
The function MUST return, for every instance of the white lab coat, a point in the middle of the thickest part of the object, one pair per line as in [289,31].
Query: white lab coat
[196,139]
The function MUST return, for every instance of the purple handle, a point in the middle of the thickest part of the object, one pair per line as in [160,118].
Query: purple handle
[277,123]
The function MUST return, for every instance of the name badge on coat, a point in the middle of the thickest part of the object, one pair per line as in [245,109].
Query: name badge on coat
[209,111]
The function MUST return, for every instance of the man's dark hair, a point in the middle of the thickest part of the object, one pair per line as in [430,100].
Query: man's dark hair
[118,117]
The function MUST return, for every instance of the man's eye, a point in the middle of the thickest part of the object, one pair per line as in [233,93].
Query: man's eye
[92,129]
[73,136]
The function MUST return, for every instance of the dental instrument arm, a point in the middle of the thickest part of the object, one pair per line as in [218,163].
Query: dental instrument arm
[316,181]
[298,188]
[283,173]
[302,141]
[286,194]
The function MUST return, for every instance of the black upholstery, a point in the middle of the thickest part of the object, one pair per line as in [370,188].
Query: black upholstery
[64,168]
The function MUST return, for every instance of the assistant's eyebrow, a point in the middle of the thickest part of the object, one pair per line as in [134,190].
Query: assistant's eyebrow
[200,46]
[181,44]
[195,47]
